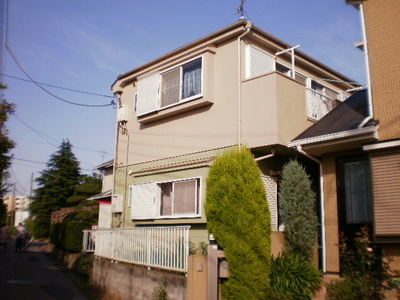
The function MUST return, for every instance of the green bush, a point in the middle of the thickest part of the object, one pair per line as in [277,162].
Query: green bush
[238,216]
[293,276]
[41,227]
[74,235]
[84,266]
[366,274]
[57,234]
[297,208]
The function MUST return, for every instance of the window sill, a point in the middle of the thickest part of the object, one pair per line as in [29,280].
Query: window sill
[174,110]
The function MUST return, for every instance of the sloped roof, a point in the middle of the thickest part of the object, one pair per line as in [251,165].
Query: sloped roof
[348,115]
[103,195]
[105,165]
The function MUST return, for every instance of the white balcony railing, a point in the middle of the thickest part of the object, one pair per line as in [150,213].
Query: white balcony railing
[88,241]
[161,247]
[318,104]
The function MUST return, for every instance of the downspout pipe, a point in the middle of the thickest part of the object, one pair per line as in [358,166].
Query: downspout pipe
[322,204]
[248,28]
[366,56]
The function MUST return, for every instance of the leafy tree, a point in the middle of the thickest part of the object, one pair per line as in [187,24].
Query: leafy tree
[87,187]
[297,208]
[56,184]
[238,216]
[6,144]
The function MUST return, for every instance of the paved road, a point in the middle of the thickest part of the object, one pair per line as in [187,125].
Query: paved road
[32,276]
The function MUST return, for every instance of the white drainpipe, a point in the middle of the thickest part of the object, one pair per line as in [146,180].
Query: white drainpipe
[248,27]
[369,91]
[322,205]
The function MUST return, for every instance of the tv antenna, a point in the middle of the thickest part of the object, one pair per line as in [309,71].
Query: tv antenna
[240,9]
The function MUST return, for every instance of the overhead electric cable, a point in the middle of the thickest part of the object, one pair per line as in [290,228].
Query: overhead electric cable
[42,135]
[45,137]
[112,103]
[59,87]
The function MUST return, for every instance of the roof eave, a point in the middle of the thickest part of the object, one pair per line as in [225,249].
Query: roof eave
[320,145]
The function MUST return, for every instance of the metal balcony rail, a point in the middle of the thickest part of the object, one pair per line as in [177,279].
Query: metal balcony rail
[318,104]
[88,241]
[160,247]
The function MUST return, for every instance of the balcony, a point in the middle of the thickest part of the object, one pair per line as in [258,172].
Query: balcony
[318,104]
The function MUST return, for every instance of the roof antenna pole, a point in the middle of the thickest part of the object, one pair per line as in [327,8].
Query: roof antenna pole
[240,9]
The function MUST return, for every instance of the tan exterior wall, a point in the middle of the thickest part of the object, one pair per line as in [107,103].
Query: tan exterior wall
[273,110]
[383,36]
[108,180]
[331,214]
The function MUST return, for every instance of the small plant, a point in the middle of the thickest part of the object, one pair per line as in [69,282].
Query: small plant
[201,249]
[84,266]
[366,274]
[160,292]
[293,276]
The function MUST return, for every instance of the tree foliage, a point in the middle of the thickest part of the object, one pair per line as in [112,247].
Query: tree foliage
[297,208]
[238,216]
[6,144]
[86,187]
[56,184]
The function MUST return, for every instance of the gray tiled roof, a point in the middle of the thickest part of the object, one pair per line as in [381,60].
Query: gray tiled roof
[348,115]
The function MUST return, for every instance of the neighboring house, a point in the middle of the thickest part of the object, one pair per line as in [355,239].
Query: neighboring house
[105,197]
[359,143]
[239,85]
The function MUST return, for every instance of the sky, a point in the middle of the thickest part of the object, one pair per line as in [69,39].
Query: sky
[83,45]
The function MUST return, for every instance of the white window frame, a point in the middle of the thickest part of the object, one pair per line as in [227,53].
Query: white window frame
[180,67]
[151,207]
[177,215]
[149,95]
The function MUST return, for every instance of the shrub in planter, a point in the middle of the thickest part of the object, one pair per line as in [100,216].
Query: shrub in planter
[238,216]
[293,276]
[84,266]
[366,274]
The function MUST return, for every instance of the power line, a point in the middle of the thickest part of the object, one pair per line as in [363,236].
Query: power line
[58,87]
[42,135]
[8,48]
[112,103]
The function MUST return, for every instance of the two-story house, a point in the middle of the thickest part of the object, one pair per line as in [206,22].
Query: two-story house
[239,85]
[358,143]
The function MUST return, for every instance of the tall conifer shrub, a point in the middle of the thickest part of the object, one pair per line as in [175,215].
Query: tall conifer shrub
[297,208]
[238,216]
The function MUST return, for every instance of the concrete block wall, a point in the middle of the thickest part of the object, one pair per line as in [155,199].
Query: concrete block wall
[136,282]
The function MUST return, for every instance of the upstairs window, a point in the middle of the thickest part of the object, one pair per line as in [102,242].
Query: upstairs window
[181,83]
[160,90]
[258,62]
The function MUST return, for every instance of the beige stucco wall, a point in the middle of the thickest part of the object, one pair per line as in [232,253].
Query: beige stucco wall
[273,110]
[108,180]
[331,213]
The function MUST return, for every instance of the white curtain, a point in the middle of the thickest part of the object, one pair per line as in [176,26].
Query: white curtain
[191,79]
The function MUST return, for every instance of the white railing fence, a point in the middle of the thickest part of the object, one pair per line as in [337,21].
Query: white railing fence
[88,241]
[318,104]
[161,247]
